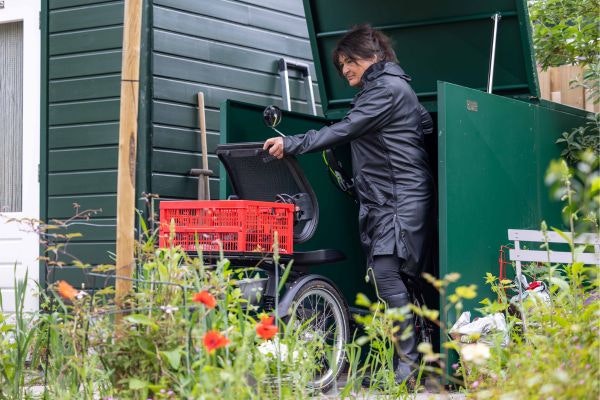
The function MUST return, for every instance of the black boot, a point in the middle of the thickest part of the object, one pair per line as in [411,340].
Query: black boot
[407,357]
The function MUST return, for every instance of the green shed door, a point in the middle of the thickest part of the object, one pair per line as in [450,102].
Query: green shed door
[337,227]
[493,154]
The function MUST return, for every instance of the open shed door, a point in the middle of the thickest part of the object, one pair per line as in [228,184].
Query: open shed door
[493,154]
[337,220]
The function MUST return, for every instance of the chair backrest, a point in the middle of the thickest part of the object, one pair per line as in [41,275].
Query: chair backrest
[256,175]
[551,255]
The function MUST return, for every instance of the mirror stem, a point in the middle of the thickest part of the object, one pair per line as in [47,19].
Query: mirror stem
[280,133]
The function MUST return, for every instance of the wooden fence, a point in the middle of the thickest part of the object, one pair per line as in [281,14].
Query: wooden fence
[555,86]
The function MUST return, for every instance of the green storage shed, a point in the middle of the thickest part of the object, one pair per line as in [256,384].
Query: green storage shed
[490,150]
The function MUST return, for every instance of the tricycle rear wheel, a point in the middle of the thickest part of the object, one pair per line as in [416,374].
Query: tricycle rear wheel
[321,314]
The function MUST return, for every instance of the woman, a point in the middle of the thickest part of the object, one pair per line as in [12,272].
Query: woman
[385,127]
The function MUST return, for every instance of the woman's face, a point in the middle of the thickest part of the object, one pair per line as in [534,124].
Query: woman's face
[353,70]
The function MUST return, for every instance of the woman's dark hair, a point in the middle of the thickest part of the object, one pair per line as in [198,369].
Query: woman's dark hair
[363,42]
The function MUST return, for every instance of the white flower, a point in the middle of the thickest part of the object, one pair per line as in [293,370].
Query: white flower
[476,352]
[271,348]
[169,309]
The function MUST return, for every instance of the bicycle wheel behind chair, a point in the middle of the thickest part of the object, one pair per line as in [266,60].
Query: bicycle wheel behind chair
[321,315]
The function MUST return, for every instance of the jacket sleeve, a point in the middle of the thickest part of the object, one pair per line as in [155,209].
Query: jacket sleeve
[372,110]
[426,121]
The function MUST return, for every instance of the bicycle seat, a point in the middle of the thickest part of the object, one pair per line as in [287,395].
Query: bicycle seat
[314,257]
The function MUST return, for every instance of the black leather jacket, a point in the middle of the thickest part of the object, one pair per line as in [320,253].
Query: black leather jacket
[385,127]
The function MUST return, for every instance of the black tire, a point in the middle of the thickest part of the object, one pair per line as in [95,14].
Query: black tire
[323,315]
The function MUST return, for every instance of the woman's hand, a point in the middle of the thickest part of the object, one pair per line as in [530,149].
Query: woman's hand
[275,147]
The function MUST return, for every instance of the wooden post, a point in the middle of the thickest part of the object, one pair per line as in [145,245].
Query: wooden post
[130,73]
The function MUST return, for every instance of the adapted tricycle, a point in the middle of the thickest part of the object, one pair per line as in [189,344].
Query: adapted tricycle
[273,202]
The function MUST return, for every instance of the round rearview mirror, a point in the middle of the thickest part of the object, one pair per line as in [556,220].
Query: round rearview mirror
[272,116]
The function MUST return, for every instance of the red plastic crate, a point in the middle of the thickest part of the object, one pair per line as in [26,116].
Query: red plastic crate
[241,226]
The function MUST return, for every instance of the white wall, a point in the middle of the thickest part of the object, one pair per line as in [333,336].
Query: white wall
[18,245]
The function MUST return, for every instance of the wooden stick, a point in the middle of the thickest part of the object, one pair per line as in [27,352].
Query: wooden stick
[130,72]
[202,119]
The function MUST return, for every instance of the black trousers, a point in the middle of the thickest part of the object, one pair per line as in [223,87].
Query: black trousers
[386,276]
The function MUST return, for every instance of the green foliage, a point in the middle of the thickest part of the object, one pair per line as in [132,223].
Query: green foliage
[579,188]
[158,348]
[568,32]
[17,346]
[586,137]
[565,31]
[557,355]
[380,332]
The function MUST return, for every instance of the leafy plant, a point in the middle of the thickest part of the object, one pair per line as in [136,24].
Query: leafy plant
[568,32]
[586,137]
[18,332]
[557,356]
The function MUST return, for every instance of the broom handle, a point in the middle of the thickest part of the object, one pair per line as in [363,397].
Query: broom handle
[202,118]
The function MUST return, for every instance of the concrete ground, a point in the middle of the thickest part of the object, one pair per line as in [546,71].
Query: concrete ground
[374,395]
[429,392]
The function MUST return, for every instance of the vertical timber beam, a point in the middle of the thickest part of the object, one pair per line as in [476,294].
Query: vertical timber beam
[128,125]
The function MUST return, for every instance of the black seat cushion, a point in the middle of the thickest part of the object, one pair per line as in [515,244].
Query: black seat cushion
[314,257]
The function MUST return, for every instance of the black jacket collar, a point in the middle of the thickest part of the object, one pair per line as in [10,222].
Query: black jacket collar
[383,67]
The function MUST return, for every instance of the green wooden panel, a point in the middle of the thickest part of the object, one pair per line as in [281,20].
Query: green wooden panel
[193,25]
[182,139]
[291,7]
[78,278]
[82,159]
[90,40]
[182,116]
[85,88]
[185,92]
[82,182]
[493,153]
[218,53]
[180,187]
[103,205]
[176,162]
[243,14]
[83,135]
[85,64]
[92,229]
[244,80]
[338,214]
[84,112]
[56,4]
[88,253]
[93,16]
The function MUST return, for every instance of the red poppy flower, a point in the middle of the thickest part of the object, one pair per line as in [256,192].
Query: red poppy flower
[67,291]
[265,328]
[205,298]
[213,340]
